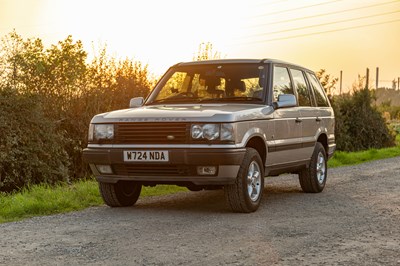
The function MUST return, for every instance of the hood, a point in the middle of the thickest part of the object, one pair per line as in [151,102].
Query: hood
[187,113]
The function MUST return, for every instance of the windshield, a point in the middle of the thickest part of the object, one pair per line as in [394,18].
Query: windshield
[211,83]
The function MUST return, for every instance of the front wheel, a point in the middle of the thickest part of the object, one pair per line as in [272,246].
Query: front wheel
[120,194]
[313,178]
[246,193]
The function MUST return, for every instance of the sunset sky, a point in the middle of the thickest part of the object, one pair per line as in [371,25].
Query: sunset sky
[348,35]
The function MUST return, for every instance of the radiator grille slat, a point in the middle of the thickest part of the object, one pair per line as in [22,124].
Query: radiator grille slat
[151,133]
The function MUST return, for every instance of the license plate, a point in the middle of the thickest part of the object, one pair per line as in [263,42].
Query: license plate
[146,156]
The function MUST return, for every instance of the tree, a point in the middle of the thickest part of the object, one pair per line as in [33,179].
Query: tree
[131,81]
[67,70]
[327,81]
[55,93]
[205,52]
[10,52]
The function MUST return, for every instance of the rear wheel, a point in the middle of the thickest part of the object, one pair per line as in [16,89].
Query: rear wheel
[246,193]
[313,178]
[120,194]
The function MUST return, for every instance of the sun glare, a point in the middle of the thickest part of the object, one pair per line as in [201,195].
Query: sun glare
[159,33]
[335,35]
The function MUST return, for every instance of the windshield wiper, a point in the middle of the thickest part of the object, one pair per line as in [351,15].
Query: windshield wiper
[187,99]
[228,99]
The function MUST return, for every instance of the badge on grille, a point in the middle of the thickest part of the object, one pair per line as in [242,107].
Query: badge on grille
[170,137]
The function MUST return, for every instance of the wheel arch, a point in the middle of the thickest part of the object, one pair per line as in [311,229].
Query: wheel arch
[258,143]
[323,139]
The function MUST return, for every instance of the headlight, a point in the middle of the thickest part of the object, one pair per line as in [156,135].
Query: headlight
[101,131]
[212,132]
[227,132]
[197,132]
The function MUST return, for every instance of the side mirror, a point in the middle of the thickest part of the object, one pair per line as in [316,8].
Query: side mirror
[285,100]
[136,102]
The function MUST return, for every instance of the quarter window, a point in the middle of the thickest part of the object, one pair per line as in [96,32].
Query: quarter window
[281,83]
[301,86]
[319,93]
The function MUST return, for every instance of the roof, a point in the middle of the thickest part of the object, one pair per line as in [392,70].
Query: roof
[239,61]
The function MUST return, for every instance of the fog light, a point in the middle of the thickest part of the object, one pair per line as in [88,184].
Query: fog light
[104,169]
[206,170]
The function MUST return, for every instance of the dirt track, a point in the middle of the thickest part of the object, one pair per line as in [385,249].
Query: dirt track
[355,221]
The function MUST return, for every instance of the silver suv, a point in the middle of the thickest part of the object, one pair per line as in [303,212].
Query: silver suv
[216,124]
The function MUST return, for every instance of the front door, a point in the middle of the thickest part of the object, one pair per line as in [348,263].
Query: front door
[287,142]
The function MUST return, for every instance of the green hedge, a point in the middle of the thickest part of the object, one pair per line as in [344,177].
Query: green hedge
[359,125]
[30,146]
[48,97]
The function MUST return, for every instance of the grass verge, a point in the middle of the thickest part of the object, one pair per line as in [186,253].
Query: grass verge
[352,158]
[341,158]
[41,200]
[45,200]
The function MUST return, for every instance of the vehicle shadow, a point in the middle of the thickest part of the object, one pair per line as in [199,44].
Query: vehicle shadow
[200,201]
[214,201]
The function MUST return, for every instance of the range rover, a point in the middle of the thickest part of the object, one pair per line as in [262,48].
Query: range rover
[218,124]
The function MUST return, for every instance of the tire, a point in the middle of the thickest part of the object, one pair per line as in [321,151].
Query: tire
[120,194]
[246,193]
[194,188]
[213,187]
[313,178]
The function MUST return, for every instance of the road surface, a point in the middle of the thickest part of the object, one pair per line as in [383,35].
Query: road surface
[354,221]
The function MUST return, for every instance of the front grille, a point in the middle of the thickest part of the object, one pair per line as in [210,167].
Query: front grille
[151,170]
[151,133]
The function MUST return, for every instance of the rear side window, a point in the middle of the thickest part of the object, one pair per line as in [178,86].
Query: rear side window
[320,96]
[300,85]
[281,83]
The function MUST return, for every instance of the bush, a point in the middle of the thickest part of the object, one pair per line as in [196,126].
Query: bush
[30,148]
[51,97]
[359,125]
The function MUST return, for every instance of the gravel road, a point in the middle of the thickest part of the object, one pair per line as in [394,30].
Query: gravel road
[355,221]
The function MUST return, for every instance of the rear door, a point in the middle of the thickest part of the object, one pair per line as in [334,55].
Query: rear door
[308,112]
[326,119]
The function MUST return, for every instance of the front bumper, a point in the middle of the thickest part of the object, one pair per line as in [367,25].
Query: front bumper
[331,150]
[181,167]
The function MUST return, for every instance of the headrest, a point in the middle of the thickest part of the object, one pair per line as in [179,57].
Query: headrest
[241,86]
[237,85]
[212,83]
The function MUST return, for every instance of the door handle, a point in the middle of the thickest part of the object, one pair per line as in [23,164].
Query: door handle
[318,119]
[298,120]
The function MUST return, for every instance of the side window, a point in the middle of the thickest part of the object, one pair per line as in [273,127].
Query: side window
[300,85]
[319,93]
[281,83]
